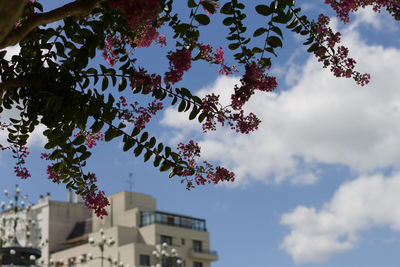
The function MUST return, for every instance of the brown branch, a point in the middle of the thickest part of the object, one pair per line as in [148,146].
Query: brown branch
[78,8]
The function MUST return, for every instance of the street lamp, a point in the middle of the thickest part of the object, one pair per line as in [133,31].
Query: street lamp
[101,245]
[167,258]
[15,219]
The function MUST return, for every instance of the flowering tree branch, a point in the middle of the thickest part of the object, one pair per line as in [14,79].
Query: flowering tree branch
[77,8]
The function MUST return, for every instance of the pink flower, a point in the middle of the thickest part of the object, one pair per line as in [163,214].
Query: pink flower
[179,62]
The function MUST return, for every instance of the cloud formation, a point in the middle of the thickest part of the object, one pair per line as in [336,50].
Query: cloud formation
[356,206]
[318,119]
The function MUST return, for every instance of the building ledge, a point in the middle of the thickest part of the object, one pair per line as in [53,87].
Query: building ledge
[203,255]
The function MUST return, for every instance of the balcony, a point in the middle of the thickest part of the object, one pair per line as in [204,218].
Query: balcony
[208,255]
[151,217]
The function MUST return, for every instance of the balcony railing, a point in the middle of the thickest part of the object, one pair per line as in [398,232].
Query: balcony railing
[206,251]
[152,217]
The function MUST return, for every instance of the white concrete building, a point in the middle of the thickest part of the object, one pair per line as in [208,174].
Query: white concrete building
[138,231]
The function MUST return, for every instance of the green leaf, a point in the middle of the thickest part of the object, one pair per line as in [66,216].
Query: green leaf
[79,140]
[274,41]
[157,161]
[147,155]
[202,19]
[167,151]
[122,84]
[183,27]
[152,142]
[208,6]
[233,46]
[292,24]
[160,147]
[104,84]
[202,116]
[129,143]
[194,113]
[281,18]
[263,10]
[277,31]
[182,106]
[227,9]
[97,125]
[138,150]
[191,3]
[313,48]
[259,32]
[172,173]
[144,137]
[135,132]
[165,166]
[228,21]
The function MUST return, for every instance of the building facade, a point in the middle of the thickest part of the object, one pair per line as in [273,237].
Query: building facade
[134,233]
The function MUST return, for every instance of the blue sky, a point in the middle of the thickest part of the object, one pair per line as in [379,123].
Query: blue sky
[317,184]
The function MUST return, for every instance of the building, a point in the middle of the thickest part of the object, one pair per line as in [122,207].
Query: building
[142,235]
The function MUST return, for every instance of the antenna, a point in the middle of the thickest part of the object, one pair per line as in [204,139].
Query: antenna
[130,182]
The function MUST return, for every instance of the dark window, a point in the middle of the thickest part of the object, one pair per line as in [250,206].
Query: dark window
[197,264]
[144,260]
[183,241]
[197,246]
[166,239]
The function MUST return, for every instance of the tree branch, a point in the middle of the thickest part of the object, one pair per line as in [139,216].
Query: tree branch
[11,83]
[78,8]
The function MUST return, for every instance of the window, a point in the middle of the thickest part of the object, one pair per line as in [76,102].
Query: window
[166,239]
[197,264]
[183,241]
[144,260]
[197,246]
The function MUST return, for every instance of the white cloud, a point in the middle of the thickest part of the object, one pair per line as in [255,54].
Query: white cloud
[379,21]
[12,51]
[36,138]
[368,201]
[319,119]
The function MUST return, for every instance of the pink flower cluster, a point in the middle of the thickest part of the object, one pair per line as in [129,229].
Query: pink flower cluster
[21,153]
[140,15]
[111,44]
[95,201]
[162,40]
[344,7]
[253,79]
[179,62]
[145,114]
[91,138]
[340,64]
[147,81]
[203,174]
[216,57]
[245,124]
[21,172]
[140,116]
[53,175]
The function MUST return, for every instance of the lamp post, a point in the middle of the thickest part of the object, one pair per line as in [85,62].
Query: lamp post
[15,221]
[166,257]
[102,244]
